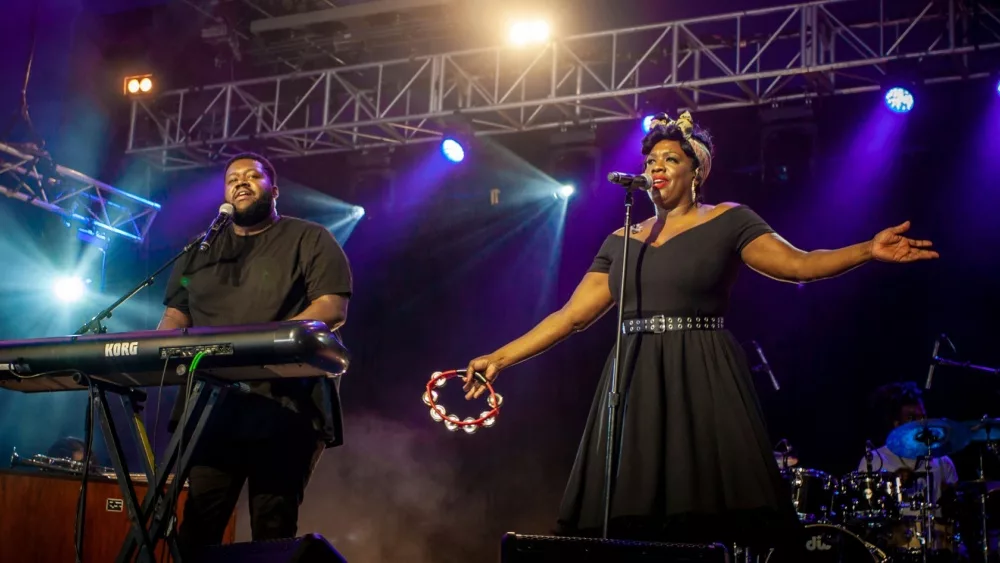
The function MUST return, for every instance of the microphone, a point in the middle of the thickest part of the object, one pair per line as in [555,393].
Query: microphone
[869,448]
[221,220]
[631,181]
[930,371]
[765,365]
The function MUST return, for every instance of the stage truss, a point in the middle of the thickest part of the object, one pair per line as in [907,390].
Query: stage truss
[29,175]
[756,57]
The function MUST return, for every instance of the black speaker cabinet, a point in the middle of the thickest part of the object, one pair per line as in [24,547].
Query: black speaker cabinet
[517,548]
[311,548]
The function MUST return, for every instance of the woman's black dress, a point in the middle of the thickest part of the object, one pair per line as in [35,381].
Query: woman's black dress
[696,462]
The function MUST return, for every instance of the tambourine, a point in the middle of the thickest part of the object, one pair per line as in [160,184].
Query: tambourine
[451,422]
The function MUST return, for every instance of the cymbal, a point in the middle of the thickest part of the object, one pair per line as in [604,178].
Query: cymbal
[979,486]
[985,430]
[785,460]
[935,437]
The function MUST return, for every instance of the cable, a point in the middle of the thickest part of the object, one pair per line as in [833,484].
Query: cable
[24,88]
[188,388]
[159,400]
[156,427]
[46,374]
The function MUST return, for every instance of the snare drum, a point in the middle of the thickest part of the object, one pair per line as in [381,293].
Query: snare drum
[826,543]
[905,536]
[812,492]
[867,498]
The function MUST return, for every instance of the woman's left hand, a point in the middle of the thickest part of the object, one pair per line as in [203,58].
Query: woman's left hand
[891,246]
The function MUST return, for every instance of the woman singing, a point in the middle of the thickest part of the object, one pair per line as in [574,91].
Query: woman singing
[695,462]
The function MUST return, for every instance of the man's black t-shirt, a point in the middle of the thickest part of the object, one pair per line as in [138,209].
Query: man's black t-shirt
[271,276]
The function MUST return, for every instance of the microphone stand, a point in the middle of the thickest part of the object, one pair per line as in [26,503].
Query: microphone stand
[96,324]
[614,395]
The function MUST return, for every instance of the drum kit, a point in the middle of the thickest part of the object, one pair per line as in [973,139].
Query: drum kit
[878,515]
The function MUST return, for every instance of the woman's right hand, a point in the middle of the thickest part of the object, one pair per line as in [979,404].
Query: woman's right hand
[488,366]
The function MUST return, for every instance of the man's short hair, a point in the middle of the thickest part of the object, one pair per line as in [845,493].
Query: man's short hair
[268,167]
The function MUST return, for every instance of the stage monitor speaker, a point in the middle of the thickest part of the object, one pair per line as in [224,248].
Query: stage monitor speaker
[311,548]
[517,548]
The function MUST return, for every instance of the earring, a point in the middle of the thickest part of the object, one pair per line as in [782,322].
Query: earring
[694,191]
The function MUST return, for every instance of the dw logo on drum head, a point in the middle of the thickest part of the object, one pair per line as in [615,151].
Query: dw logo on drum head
[816,543]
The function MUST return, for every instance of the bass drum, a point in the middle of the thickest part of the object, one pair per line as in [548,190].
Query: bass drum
[826,543]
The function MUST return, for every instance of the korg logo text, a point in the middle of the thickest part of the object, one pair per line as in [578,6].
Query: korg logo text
[114,349]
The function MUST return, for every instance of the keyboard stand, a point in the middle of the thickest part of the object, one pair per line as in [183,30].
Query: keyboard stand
[155,518]
[130,399]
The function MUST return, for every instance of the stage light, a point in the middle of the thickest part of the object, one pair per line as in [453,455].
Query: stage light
[69,289]
[998,86]
[358,212]
[134,85]
[528,32]
[452,150]
[899,100]
[647,123]
[565,191]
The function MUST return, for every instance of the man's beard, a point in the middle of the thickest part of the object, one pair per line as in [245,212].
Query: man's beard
[259,210]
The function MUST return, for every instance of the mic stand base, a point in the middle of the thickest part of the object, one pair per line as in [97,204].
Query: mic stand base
[614,396]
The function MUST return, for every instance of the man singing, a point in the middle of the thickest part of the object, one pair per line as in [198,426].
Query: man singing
[263,268]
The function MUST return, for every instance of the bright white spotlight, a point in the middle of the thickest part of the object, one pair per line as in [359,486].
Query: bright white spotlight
[998,86]
[899,100]
[69,289]
[452,150]
[528,32]
[565,191]
[358,212]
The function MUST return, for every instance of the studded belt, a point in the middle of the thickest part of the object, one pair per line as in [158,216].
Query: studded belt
[662,323]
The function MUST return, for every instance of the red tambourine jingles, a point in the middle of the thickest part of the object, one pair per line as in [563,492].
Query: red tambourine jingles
[451,422]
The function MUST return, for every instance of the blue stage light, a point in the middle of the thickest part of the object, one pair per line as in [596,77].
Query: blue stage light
[647,123]
[452,150]
[899,100]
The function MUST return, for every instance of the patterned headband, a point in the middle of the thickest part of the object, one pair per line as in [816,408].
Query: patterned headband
[685,124]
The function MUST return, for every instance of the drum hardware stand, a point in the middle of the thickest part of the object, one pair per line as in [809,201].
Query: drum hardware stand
[786,453]
[869,456]
[925,515]
[937,360]
[981,475]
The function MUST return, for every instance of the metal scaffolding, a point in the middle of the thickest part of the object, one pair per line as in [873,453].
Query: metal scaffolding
[28,175]
[754,57]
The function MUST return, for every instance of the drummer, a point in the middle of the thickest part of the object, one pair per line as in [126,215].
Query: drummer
[897,404]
